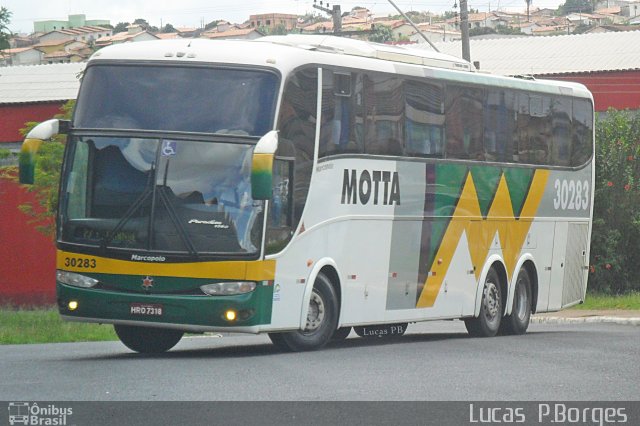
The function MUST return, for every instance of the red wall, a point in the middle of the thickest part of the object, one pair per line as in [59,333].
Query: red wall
[616,89]
[27,258]
[13,117]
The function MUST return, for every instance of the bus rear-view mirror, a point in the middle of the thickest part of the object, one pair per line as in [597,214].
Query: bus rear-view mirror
[27,160]
[262,166]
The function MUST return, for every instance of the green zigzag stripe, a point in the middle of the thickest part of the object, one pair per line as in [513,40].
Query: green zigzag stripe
[486,180]
[518,182]
[449,181]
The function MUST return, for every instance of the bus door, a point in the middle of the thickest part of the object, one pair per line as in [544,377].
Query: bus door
[569,264]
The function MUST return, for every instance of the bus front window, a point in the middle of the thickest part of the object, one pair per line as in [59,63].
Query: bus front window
[162,195]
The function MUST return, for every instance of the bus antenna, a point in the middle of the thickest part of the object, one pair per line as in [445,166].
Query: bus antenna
[415,27]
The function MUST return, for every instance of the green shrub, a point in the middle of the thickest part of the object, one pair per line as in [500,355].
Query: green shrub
[47,176]
[615,239]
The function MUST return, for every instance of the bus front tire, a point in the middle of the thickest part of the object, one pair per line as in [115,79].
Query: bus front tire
[147,339]
[322,320]
[487,323]
[518,321]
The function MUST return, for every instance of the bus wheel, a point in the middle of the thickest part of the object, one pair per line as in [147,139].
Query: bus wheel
[341,333]
[322,320]
[488,322]
[518,321]
[147,339]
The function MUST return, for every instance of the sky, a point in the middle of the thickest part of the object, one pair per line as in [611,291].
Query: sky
[191,13]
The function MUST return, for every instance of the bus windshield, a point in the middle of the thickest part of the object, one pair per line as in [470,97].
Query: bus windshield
[162,195]
[179,99]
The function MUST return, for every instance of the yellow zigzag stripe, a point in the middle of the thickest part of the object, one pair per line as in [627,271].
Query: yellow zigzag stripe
[467,217]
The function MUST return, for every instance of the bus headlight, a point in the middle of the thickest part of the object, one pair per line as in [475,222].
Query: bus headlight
[75,280]
[229,288]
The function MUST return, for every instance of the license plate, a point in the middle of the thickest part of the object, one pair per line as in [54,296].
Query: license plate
[146,309]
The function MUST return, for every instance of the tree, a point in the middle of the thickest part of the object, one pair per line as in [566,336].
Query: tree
[168,29]
[503,29]
[211,25]
[279,29]
[575,6]
[449,14]
[380,34]
[48,165]
[312,18]
[121,27]
[145,25]
[5,33]
[415,16]
[481,31]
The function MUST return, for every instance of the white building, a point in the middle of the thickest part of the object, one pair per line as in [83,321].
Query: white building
[21,56]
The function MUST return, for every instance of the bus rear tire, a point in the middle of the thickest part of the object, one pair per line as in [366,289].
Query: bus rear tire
[147,340]
[487,323]
[518,321]
[322,320]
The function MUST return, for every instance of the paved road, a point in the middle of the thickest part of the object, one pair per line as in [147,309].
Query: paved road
[433,361]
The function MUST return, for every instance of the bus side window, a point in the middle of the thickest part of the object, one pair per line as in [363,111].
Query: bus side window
[582,136]
[561,117]
[341,129]
[539,132]
[384,114]
[297,124]
[280,218]
[464,122]
[499,125]
[520,150]
[424,119]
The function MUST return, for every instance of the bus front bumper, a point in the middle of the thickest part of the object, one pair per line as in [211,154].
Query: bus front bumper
[184,312]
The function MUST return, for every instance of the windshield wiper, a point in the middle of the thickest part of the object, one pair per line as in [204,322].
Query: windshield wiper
[173,216]
[138,203]
[153,190]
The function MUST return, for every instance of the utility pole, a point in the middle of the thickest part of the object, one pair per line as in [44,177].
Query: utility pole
[335,13]
[464,30]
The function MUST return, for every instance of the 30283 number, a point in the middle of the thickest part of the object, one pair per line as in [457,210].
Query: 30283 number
[78,262]
[571,194]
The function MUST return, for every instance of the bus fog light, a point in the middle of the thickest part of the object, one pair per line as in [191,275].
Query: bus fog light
[230,315]
[75,280]
[72,305]
[228,288]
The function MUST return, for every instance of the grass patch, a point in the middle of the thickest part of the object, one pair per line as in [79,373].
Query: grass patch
[44,325]
[606,301]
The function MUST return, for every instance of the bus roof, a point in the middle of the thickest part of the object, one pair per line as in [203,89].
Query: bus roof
[286,53]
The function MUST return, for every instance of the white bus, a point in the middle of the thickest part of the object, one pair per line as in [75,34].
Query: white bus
[303,186]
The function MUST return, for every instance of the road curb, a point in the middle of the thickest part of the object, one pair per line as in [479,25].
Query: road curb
[583,320]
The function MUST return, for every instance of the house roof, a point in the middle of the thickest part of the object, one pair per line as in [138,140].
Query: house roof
[120,37]
[562,54]
[16,50]
[60,54]
[328,25]
[53,43]
[615,10]
[39,83]
[81,30]
[167,36]
[231,33]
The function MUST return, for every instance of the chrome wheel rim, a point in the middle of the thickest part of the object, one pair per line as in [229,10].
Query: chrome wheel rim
[315,316]
[491,301]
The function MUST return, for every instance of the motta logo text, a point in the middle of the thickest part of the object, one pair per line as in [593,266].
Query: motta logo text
[32,413]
